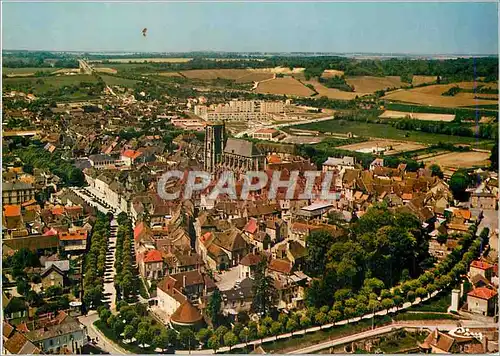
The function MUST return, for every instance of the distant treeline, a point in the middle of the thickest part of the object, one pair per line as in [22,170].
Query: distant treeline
[450,69]
[26,59]
[460,113]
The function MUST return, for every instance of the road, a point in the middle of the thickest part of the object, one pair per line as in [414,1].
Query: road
[279,126]
[423,324]
[103,342]
[109,271]
[85,66]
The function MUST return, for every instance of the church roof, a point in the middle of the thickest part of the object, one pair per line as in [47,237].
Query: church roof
[241,148]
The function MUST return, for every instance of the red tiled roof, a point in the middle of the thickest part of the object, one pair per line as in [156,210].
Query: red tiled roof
[481,264]
[251,226]
[57,210]
[250,260]
[273,159]
[131,154]
[186,313]
[152,256]
[11,210]
[138,230]
[482,293]
[77,235]
[466,214]
[282,266]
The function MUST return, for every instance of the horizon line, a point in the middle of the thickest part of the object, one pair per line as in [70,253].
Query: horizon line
[267,53]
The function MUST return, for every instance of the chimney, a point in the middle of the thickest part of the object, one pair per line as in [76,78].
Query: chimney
[184,281]
[484,341]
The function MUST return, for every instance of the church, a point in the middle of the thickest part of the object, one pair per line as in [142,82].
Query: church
[233,154]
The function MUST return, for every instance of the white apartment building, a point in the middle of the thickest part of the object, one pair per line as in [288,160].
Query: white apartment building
[240,110]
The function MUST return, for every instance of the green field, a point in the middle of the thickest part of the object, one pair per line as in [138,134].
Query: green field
[42,85]
[440,304]
[388,132]
[126,66]
[114,80]
[29,70]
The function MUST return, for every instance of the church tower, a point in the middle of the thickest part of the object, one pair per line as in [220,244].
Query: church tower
[215,139]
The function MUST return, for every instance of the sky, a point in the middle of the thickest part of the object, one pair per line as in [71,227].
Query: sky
[413,28]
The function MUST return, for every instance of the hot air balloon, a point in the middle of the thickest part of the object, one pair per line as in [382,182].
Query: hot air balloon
[144,31]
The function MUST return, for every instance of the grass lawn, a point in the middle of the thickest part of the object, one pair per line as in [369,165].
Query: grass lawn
[300,341]
[388,132]
[440,304]
[401,341]
[114,80]
[424,316]
[110,334]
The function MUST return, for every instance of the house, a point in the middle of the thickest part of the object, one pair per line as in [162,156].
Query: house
[377,162]
[237,299]
[151,264]
[100,161]
[15,343]
[338,164]
[74,240]
[317,211]
[437,342]
[248,265]
[482,301]
[481,268]
[14,308]
[52,276]
[17,192]
[12,217]
[174,289]
[267,134]
[130,157]
[483,199]
[230,242]
[58,334]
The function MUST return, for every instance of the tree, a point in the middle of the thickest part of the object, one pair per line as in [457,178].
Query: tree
[144,335]
[334,315]
[361,309]
[458,183]
[410,296]
[373,305]
[129,332]
[230,339]
[494,156]
[305,322]
[221,331]
[291,325]
[263,331]
[187,338]
[244,335]
[442,238]
[421,292]
[321,318]
[398,301]
[104,314]
[171,337]
[436,171]
[263,290]
[387,303]
[276,328]
[203,335]
[214,343]
[349,312]
[22,286]
[431,288]
[161,340]
[318,243]
[214,306]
